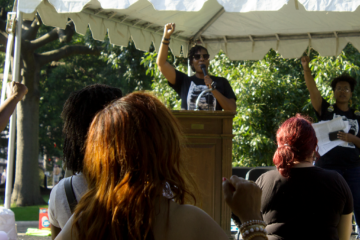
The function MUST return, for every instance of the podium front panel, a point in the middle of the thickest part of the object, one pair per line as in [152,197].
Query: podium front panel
[209,158]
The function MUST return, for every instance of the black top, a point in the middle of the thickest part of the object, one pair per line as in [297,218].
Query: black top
[189,88]
[340,156]
[308,205]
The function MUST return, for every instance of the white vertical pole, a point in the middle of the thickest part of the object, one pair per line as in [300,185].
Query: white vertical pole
[190,71]
[9,48]
[11,146]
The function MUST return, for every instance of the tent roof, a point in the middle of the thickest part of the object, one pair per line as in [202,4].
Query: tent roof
[243,29]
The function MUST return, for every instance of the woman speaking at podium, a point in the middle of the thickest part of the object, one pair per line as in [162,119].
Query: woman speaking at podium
[221,95]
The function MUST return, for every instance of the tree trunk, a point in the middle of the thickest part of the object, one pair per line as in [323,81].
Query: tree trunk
[26,188]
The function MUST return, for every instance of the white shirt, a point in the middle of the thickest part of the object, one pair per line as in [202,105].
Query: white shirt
[59,210]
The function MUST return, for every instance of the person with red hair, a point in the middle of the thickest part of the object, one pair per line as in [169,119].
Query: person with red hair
[300,200]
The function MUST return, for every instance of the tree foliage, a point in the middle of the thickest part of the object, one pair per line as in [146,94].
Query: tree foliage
[116,66]
[268,92]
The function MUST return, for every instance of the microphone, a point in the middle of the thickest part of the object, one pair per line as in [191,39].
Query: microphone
[203,68]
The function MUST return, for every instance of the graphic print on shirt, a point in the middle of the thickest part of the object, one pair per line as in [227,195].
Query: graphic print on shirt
[354,129]
[207,101]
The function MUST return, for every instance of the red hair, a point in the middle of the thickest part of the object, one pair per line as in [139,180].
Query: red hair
[296,140]
[134,147]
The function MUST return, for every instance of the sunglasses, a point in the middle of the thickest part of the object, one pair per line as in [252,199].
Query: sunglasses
[198,56]
[345,89]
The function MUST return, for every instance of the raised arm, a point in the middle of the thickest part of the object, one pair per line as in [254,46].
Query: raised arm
[315,95]
[164,66]
[15,92]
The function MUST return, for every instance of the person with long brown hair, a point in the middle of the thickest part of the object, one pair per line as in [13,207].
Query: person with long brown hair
[134,149]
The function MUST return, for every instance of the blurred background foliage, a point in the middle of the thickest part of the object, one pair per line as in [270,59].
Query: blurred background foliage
[268,91]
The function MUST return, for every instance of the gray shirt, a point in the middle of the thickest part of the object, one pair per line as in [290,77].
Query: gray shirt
[59,210]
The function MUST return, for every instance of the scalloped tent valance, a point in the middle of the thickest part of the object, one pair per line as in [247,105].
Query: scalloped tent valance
[243,29]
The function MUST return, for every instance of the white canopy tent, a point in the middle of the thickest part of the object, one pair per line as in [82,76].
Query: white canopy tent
[243,29]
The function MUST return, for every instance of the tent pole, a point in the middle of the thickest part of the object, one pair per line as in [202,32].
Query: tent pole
[11,146]
[189,69]
[9,49]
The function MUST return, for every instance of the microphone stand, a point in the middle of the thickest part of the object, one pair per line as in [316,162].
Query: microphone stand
[203,68]
[198,99]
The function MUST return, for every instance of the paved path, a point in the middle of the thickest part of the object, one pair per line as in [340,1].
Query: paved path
[22,226]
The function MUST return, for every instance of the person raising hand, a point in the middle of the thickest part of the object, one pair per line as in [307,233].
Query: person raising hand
[344,158]
[221,95]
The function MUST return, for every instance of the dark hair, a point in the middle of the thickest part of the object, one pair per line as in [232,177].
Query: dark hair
[78,112]
[344,78]
[195,49]
[296,138]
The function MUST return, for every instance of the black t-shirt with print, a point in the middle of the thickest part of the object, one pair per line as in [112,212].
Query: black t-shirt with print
[189,88]
[340,156]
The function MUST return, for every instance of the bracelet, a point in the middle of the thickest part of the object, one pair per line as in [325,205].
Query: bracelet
[166,39]
[165,43]
[253,229]
[251,222]
[257,235]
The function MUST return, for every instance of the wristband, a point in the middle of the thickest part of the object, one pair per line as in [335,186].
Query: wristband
[213,86]
[166,39]
[165,43]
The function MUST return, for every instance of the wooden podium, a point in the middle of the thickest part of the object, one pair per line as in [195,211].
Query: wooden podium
[209,141]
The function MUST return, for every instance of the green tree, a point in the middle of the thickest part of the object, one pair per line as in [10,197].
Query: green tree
[35,54]
[268,92]
[116,66]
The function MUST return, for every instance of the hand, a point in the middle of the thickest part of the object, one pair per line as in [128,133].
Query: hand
[208,81]
[347,137]
[305,62]
[16,90]
[243,197]
[169,29]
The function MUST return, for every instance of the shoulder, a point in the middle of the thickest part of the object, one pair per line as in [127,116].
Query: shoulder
[198,224]
[189,213]
[219,79]
[326,173]
[181,75]
[356,112]
[330,177]
[57,190]
[265,177]
[80,185]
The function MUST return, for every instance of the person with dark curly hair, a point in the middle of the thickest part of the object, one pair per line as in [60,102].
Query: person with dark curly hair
[78,112]
[345,158]
[221,95]
[300,200]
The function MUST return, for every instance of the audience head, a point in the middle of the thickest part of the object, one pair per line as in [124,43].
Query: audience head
[133,150]
[78,112]
[296,141]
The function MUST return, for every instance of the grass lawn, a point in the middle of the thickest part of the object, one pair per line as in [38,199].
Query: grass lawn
[30,213]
